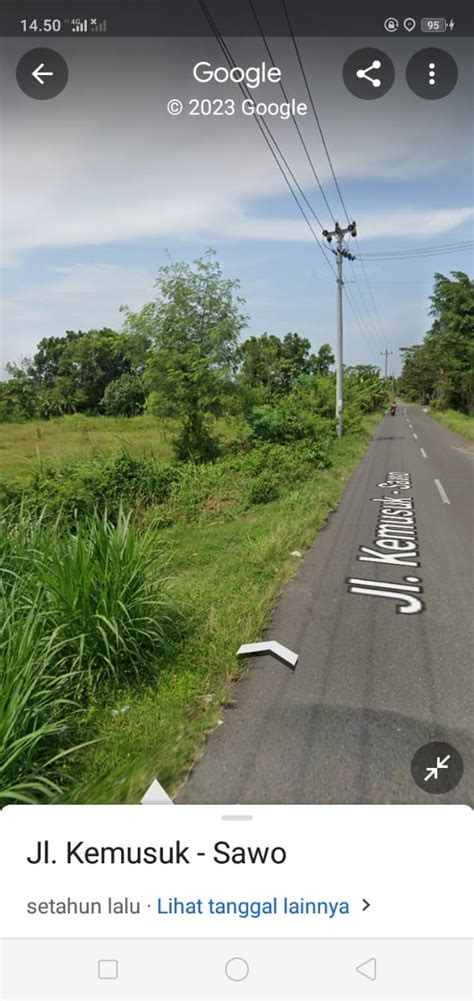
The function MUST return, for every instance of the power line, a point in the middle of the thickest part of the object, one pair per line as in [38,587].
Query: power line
[333,172]
[370,293]
[269,138]
[313,106]
[398,283]
[295,123]
[357,317]
[418,252]
[273,145]
[374,306]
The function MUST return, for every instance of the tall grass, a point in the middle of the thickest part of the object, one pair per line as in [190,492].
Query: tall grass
[36,708]
[106,596]
[80,613]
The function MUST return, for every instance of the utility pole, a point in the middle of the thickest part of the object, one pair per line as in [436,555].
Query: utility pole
[338,234]
[386,353]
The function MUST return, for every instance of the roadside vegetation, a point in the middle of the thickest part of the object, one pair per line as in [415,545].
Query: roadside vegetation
[462,424]
[157,485]
[440,371]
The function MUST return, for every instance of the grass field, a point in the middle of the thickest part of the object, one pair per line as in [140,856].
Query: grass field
[229,572]
[455,421]
[76,437]
[227,554]
[73,438]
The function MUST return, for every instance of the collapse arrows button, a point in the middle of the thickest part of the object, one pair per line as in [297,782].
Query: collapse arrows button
[272,647]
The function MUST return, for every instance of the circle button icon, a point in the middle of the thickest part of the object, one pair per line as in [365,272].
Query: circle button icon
[237,969]
[368,73]
[391,24]
[432,74]
[42,74]
[437,767]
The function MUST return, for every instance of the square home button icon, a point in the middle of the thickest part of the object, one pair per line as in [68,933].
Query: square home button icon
[107,969]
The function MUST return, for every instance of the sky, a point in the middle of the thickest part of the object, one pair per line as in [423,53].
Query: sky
[100,187]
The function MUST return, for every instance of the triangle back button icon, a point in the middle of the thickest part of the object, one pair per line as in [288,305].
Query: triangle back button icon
[368,969]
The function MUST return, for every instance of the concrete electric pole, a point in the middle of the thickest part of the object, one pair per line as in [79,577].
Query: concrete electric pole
[338,234]
[386,353]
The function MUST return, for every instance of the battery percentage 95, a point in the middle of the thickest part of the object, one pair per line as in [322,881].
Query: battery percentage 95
[436,25]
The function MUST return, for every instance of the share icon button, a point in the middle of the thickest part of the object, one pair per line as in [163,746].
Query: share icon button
[368,74]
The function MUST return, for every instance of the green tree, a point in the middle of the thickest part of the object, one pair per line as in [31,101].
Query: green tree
[18,394]
[365,388]
[443,364]
[324,360]
[295,360]
[193,326]
[124,397]
[450,342]
[71,373]
[418,378]
[89,363]
[272,366]
[47,362]
[258,359]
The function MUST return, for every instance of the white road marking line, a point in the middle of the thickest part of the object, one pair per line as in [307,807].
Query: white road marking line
[423,453]
[410,425]
[442,493]
[415,435]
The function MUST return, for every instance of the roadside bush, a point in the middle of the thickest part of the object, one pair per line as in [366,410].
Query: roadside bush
[438,403]
[200,488]
[263,490]
[127,478]
[353,420]
[76,491]
[267,423]
[290,462]
[292,420]
[195,443]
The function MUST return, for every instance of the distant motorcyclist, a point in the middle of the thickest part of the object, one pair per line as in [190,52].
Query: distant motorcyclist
[393,408]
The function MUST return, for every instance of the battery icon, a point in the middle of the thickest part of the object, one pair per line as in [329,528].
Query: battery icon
[434,24]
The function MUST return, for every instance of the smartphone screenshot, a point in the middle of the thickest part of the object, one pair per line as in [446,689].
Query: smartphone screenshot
[236,500]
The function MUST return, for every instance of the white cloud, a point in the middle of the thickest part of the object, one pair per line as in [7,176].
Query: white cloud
[105,164]
[82,296]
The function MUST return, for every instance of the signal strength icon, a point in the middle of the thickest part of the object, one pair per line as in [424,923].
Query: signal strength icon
[98,25]
[78,25]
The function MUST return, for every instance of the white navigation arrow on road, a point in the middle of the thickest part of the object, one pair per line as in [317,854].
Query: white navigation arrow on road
[269,646]
[156,796]
[433,771]
[40,72]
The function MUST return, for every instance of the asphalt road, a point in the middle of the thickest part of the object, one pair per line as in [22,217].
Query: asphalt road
[372,684]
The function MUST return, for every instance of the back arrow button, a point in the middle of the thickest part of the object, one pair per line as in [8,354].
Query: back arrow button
[368,969]
[42,74]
